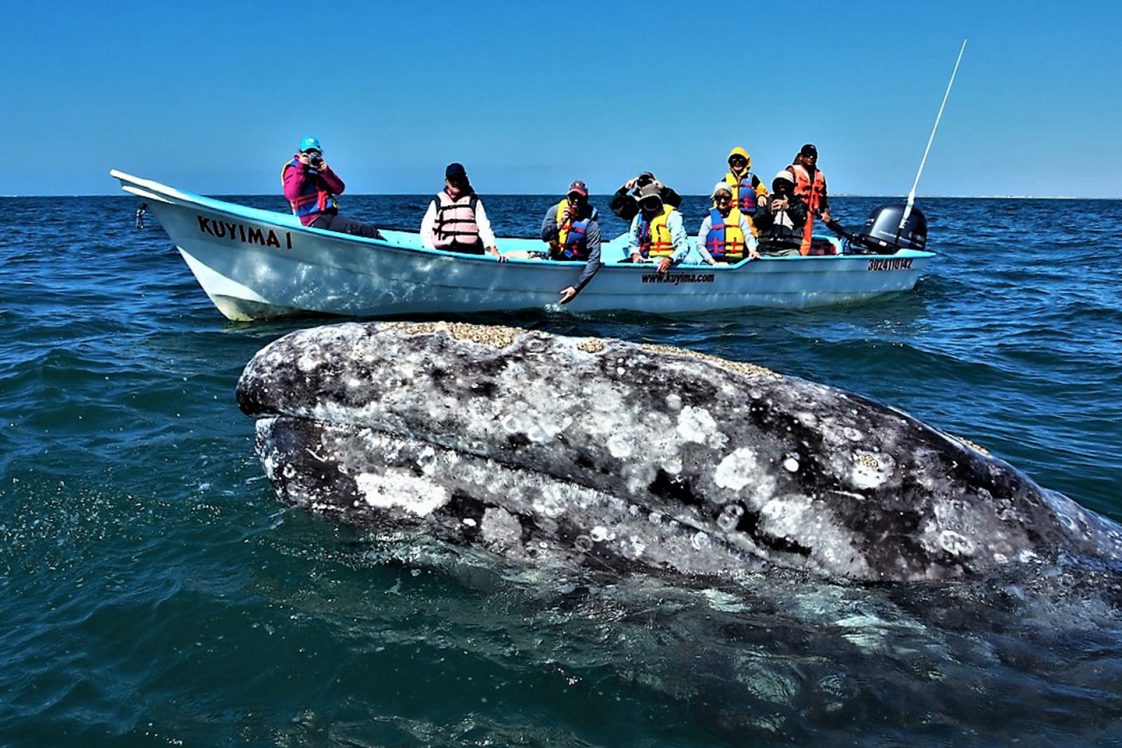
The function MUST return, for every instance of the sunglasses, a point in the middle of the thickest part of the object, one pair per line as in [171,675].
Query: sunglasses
[722,199]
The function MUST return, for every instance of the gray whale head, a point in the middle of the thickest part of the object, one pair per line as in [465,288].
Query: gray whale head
[621,456]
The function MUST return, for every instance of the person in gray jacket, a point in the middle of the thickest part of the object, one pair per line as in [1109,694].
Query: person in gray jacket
[572,231]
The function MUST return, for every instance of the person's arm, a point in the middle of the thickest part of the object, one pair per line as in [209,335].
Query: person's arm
[428,226]
[549,225]
[759,187]
[485,232]
[633,240]
[678,237]
[590,268]
[702,235]
[825,212]
[624,205]
[334,184]
[294,179]
[765,217]
[670,197]
[751,246]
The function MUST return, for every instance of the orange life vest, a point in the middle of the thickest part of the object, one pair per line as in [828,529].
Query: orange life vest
[810,191]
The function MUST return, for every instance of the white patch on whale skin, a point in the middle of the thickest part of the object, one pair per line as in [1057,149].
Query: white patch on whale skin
[870,470]
[501,528]
[791,465]
[307,361]
[955,543]
[401,488]
[426,458]
[537,423]
[700,541]
[621,445]
[634,547]
[735,471]
[551,501]
[698,425]
[791,516]
[672,464]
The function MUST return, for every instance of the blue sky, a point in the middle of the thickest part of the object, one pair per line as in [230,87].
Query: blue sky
[212,97]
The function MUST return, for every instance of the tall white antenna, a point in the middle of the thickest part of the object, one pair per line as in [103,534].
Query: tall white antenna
[923,161]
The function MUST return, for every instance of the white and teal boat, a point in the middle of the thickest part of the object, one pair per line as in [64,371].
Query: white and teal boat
[256,264]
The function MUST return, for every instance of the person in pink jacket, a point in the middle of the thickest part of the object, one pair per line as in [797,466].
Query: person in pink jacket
[311,186]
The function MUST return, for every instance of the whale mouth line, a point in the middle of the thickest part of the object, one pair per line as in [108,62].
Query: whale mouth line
[762,544]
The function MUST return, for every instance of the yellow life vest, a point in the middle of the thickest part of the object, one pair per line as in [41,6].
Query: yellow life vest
[735,184]
[654,237]
[562,224]
[725,240]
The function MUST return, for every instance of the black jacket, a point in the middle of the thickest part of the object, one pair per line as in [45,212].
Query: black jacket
[626,205]
[782,230]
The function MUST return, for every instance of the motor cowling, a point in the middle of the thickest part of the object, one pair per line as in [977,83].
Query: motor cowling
[882,233]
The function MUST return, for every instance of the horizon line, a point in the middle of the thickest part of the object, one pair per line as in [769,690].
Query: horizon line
[606,194]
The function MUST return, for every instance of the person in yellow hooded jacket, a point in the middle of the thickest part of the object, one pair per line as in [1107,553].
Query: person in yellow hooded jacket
[748,192]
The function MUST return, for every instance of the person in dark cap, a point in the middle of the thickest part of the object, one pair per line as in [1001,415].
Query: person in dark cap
[572,230]
[657,233]
[625,203]
[311,186]
[810,188]
[455,220]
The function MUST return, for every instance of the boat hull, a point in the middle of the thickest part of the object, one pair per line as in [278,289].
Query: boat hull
[254,264]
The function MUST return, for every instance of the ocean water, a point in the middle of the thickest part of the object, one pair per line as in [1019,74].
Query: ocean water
[153,590]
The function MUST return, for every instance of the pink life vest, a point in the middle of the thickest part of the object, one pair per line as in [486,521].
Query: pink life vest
[455,221]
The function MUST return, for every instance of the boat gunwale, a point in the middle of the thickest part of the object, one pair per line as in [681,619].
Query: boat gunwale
[178,198]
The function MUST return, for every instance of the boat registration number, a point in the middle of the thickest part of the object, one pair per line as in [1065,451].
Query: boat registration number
[896,263]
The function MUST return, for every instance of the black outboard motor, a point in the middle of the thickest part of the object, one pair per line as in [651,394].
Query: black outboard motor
[882,234]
